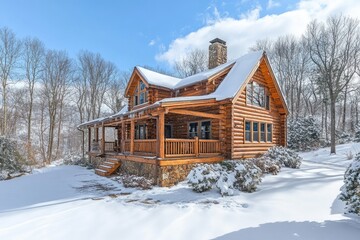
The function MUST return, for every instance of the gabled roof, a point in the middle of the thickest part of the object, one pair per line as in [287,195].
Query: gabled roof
[241,71]
[158,79]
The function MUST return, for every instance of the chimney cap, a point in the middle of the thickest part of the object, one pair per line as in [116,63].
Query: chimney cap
[218,40]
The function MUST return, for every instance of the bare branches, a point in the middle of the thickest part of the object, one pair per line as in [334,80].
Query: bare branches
[10,49]
[196,61]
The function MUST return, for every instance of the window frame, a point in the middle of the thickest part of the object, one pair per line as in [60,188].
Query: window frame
[198,129]
[251,133]
[139,92]
[249,95]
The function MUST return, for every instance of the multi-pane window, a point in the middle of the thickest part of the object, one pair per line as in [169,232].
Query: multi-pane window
[205,130]
[258,132]
[140,131]
[256,95]
[247,131]
[140,94]
[255,131]
[201,129]
[262,132]
[269,133]
[193,129]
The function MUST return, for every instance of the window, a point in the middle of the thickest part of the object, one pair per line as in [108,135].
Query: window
[262,132]
[168,131]
[269,132]
[255,131]
[140,131]
[256,95]
[193,129]
[205,130]
[201,129]
[140,94]
[247,131]
[258,132]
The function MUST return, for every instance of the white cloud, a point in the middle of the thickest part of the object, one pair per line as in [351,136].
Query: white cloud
[240,34]
[152,42]
[272,4]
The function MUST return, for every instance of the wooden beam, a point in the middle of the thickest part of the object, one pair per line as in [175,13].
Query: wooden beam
[195,113]
[103,139]
[161,135]
[96,134]
[123,131]
[132,136]
[89,140]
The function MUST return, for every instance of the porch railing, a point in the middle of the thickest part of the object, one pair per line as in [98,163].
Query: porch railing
[191,147]
[174,147]
[145,145]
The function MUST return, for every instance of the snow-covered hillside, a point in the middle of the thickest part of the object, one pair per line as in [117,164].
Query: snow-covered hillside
[70,202]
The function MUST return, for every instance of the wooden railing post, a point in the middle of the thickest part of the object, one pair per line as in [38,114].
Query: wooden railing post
[161,135]
[196,146]
[103,139]
[96,133]
[132,136]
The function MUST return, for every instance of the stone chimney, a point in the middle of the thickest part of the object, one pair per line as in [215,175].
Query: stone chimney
[217,53]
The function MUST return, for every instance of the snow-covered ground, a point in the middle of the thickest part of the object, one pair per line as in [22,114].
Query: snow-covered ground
[70,202]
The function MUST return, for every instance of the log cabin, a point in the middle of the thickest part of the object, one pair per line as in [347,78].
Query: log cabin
[234,110]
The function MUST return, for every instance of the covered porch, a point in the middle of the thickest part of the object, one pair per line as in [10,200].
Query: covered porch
[164,133]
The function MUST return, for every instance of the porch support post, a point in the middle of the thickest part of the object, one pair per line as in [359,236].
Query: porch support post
[89,139]
[103,139]
[123,130]
[96,133]
[132,136]
[161,135]
[196,146]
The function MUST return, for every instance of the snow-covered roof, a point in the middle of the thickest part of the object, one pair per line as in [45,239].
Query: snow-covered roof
[158,79]
[97,120]
[202,75]
[240,71]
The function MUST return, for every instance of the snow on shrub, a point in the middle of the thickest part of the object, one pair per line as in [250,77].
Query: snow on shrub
[284,157]
[133,181]
[229,175]
[343,137]
[303,134]
[10,158]
[267,165]
[357,134]
[74,159]
[350,191]
[202,177]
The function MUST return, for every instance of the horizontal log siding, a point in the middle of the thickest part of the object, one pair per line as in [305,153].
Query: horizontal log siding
[242,112]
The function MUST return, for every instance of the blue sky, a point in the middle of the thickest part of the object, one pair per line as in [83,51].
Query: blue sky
[155,33]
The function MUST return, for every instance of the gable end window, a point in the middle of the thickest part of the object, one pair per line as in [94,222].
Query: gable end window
[140,94]
[257,95]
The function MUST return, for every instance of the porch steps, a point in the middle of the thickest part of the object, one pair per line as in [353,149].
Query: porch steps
[108,167]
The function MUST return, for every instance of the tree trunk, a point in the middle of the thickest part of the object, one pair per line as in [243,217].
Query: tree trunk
[332,125]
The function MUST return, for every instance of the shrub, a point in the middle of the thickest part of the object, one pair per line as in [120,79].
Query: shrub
[284,157]
[303,134]
[350,191]
[343,137]
[267,165]
[229,175]
[133,181]
[202,177]
[73,159]
[357,134]
[10,158]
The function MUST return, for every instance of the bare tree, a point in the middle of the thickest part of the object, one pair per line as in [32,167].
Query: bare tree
[334,49]
[92,82]
[33,55]
[56,77]
[10,49]
[194,62]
